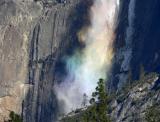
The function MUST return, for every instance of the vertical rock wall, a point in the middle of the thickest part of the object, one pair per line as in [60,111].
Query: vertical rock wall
[54,36]
[141,48]
[34,36]
[17,18]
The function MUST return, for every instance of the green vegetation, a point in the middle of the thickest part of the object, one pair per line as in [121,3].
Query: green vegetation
[97,111]
[153,114]
[14,117]
[99,108]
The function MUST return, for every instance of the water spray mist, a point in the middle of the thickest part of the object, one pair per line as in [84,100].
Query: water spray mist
[86,66]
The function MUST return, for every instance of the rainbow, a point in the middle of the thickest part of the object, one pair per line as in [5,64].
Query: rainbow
[86,66]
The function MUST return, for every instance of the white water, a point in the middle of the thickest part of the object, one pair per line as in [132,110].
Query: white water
[93,62]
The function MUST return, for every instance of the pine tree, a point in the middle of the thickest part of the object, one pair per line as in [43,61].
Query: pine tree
[97,112]
[14,117]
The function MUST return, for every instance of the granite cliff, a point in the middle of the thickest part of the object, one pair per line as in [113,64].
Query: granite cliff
[34,36]
[18,18]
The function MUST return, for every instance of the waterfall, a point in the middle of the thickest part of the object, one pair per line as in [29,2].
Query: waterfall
[86,66]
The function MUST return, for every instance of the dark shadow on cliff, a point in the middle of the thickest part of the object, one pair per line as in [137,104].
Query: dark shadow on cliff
[119,42]
[78,18]
[145,42]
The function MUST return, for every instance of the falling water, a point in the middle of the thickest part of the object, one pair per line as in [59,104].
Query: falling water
[86,66]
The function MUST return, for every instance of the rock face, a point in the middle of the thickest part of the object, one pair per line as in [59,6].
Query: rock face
[137,41]
[53,36]
[35,34]
[17,18]
[131,105]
